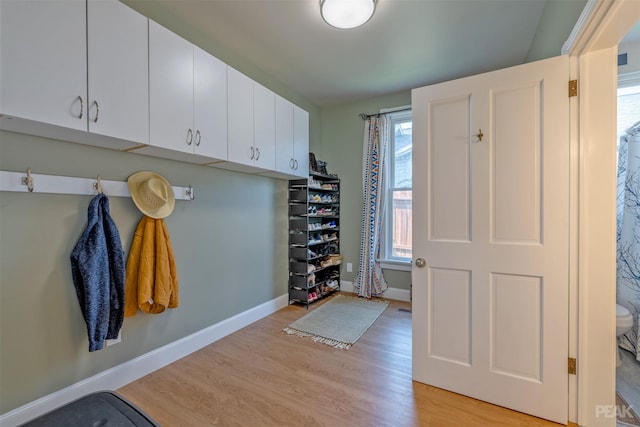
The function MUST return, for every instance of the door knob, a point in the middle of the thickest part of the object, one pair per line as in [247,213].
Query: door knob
[420,262]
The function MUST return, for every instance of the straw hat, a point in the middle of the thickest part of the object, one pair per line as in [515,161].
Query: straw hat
[152,194]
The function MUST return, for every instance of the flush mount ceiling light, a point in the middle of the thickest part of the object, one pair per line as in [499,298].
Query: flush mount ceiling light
[347,13]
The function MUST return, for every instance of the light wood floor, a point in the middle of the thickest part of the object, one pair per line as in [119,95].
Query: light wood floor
[260,376]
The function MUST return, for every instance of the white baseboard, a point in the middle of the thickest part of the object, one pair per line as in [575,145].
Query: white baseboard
[123,374]
[390,293]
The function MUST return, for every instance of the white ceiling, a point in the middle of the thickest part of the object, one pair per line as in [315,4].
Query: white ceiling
[407,43]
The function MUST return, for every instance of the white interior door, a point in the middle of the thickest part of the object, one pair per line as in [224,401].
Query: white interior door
[491,221]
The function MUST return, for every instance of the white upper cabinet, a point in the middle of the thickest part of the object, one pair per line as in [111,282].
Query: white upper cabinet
[118,98]
[240,118]
[300,141]
[187,98]
[43,61]
[284,136]
[292,139]
[170,90]
[210,101]
[264,128]
[252,126]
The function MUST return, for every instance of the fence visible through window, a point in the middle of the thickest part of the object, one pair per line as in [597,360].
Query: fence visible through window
[402,216]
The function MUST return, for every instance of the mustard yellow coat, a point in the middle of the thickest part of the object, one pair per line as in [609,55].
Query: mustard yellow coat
[151,282]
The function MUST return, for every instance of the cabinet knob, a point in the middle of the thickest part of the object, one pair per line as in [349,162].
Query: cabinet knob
[252,152]
[189,137]
[291,163]
[257,153]
[295,164]
[198,138]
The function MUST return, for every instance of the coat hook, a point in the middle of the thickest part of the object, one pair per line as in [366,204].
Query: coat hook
[189,192]
[480,134]
[98,185]
[28,180]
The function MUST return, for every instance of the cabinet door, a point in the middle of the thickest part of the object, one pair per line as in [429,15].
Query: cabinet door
[300,141]
[170,90]
[240,117]
[118,71]
[210,105]
[43,62]
[284,135]
[264,110]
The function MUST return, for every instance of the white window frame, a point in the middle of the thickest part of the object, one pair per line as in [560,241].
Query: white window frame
[388,261]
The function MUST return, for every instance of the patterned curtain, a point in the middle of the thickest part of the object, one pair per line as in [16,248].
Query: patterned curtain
[628,234]
[369,280]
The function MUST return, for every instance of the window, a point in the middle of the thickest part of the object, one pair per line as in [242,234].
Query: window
[396,243]
[628,107]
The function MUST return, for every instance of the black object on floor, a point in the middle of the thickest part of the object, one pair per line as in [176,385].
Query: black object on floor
[104,409]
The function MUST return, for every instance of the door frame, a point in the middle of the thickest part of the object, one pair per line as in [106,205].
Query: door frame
[593,48]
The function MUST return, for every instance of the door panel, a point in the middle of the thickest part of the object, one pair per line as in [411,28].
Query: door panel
[491,210]
[515,326]
[449,206]
[450,328]
[516,164]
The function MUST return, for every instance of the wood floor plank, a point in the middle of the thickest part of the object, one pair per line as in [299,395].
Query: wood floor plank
[261,376]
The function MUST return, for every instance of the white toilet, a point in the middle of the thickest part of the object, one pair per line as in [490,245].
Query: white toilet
[624,322]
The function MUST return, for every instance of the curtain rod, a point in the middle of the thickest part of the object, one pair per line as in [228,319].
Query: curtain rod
[364,116]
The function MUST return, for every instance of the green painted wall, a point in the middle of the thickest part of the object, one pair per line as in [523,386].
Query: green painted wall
[230,246]
[342,137]
[554,28]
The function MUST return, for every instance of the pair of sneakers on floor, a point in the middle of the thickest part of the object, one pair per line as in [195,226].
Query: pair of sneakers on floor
[313,296]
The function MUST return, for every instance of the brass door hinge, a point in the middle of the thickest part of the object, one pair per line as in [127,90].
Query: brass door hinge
[572,366]
[573,88]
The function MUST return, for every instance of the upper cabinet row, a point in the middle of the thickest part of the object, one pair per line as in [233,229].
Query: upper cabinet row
[133,84]
[54,71]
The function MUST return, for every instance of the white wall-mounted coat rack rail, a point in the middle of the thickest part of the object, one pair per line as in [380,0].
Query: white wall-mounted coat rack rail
[27,182]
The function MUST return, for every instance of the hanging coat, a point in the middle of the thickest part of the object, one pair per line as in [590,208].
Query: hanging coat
[97,269]
[152,279]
